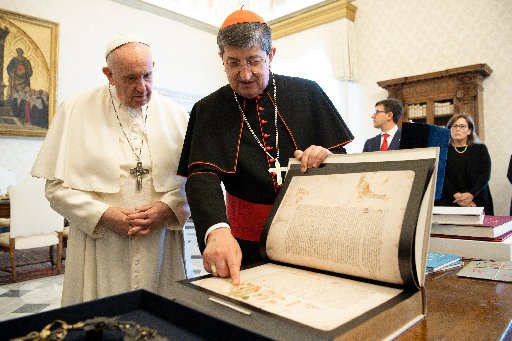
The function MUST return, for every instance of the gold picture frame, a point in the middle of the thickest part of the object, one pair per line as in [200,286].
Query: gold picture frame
[28,76]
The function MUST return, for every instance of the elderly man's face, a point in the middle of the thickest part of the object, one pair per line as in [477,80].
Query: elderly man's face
[131,72]
[248,70]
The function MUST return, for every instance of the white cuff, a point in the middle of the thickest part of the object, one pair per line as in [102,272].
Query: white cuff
[214,227]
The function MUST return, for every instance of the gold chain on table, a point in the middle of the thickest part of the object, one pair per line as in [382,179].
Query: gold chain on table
[58,330]
[275,123]
[122,129]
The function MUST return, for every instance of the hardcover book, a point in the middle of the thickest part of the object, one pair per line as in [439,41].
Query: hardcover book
[458,215]
[497,239]
[346,252]
[492,227]
[475,248]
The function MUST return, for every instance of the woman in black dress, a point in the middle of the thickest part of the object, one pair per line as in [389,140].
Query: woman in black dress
[468,168]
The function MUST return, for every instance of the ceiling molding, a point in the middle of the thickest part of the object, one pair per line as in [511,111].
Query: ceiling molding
[144,6]
[309,17]
[321,13]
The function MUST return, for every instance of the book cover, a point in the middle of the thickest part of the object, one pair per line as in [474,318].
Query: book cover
[492,227]
[457,215]
[457,264]
[498,239]
[491,270]
[436,260]
[342,265]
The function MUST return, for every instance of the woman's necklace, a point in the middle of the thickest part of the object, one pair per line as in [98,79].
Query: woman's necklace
[461,152]
[138,171]
[277,169]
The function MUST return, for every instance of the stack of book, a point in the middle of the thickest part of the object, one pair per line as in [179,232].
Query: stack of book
[442,261]
[489,240]
[457,215]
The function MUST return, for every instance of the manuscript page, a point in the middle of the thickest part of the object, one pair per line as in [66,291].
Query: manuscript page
[314,299]
[366,209]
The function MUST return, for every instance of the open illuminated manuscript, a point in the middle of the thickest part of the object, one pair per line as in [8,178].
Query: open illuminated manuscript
[346,246]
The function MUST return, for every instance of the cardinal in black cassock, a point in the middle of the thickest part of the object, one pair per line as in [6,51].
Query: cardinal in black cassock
[232,139]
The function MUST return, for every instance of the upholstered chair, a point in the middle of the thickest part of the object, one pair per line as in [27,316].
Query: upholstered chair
[33,223]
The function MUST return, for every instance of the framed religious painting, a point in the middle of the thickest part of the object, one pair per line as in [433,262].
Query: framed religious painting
[28,76]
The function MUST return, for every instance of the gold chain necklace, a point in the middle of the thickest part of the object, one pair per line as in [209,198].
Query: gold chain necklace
[138,171]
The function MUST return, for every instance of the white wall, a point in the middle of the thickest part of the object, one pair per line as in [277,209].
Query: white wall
[186,59]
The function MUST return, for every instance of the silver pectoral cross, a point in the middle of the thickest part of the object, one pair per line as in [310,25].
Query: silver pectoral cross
[138,172]
[277,171]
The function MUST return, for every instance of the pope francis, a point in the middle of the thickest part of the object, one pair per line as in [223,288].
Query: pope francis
[110,159]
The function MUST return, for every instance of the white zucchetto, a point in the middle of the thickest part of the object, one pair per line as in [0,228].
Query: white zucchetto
[122,39]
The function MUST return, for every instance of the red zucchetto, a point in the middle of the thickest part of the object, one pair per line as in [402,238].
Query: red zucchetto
[241,16]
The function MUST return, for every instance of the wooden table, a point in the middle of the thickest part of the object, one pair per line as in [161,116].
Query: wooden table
[460,308]
[5,208]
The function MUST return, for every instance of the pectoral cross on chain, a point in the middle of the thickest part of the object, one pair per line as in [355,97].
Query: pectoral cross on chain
[139,172]
[277,171]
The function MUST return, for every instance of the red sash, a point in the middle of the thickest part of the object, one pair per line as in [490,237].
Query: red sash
[246,219]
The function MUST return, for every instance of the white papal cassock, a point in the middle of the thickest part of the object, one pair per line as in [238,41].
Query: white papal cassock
[86,160]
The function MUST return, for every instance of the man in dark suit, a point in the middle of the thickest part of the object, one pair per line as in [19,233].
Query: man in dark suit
[386,116]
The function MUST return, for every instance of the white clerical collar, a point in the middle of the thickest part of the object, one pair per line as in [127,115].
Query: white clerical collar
[134,112]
